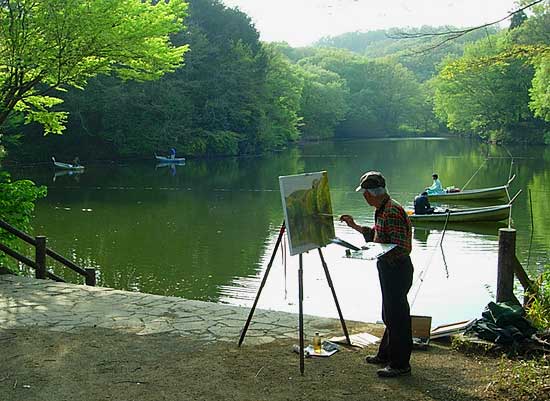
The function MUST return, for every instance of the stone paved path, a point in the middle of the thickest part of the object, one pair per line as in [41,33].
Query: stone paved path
[27,302]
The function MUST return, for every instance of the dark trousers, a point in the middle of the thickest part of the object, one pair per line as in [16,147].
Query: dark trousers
[395,282]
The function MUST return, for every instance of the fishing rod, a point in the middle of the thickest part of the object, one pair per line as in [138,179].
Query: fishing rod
[472,177]
[424,272]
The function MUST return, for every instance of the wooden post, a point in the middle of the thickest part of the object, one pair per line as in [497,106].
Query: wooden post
[90,277]
[523,278]
[40,256]
[506,262]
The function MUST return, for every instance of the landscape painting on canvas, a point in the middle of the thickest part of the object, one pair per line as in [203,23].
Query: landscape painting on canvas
[308,211]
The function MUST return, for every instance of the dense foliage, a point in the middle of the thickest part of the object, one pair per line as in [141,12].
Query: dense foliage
[47,46]
[499,88]
[323,102]
[414,48]
[236,95]
[538,310]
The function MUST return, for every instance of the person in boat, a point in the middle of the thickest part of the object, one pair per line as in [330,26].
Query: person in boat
[436,188]
[76,161]
[422,204]
[395,271]
[172,153]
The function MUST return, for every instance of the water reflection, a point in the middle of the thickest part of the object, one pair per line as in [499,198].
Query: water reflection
[420,234]
[486,229]
[75,174]
[170,166]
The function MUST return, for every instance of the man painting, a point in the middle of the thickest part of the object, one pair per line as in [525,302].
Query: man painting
[395,271]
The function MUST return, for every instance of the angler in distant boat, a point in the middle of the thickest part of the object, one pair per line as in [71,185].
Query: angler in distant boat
[68,166]
[171,158]
[436,188]
[422,204]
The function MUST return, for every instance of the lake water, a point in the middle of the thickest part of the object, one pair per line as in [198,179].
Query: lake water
[206,230]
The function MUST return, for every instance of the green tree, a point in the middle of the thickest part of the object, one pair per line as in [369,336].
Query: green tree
[50,45]
[540,91]
[406,48]
[501,83]
[487,98]
[323,103]
[281,99]
[383,98]
[423,118]
[532,38]
[233,96]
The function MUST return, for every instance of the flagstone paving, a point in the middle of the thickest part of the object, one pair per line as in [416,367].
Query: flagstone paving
[26,302]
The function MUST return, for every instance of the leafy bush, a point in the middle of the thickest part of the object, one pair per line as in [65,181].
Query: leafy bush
[538,309]
[223,143]
[17,200]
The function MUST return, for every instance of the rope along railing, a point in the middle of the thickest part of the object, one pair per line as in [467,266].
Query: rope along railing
[41,252]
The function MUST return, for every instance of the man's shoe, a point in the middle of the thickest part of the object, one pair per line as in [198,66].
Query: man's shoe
[376,360]
[388,371]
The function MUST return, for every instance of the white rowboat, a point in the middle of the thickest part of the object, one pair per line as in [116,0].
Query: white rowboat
[66,166]
[164,159]
[487,213]
[474,194]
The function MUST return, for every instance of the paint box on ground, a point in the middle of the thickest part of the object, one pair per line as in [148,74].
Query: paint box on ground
[421,327]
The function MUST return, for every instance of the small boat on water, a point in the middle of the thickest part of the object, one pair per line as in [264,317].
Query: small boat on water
[173,164]
[176,160]
[474,194]
[66,166]
[477,214]
[170,159]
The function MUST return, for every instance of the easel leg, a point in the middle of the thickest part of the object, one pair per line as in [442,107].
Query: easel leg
[329,280]
[301,312]
[264,279]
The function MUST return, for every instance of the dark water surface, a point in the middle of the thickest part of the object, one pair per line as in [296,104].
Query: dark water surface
[206,230]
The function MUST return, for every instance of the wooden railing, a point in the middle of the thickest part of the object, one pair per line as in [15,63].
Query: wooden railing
[508,267]
[41,252]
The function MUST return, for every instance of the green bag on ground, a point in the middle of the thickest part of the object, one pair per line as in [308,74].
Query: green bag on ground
[503,323]
[503,313]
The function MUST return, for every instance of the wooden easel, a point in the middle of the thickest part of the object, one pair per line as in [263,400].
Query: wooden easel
[300,297]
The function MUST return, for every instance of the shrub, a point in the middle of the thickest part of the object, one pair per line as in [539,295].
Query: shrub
[17,201]
[538,309]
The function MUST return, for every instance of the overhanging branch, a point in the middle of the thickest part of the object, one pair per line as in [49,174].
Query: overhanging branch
[451,35]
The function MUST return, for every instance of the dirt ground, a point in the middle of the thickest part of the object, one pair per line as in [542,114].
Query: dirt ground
[97,364]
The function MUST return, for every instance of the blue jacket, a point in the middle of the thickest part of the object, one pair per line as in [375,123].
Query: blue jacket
[436,188]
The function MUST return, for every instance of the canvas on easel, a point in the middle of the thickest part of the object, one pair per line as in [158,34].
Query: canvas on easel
[309,225]
[308,211]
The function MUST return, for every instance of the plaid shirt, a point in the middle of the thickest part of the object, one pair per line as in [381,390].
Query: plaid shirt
[392,226]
